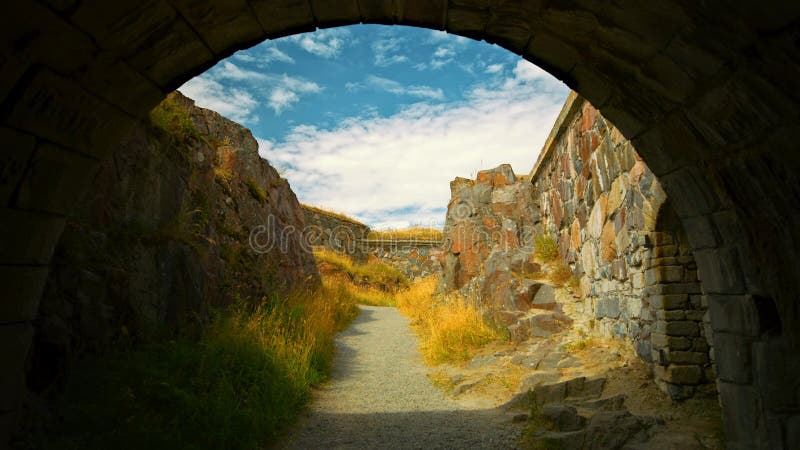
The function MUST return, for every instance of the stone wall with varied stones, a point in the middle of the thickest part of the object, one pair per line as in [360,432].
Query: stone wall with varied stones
[333,231]
[615,228]
[415,258]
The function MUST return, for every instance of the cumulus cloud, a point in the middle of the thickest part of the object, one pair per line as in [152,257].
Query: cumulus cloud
[395,171]
[494,68]
[394,87]
[264,55]
[279,92]
[327,43]
[387,51]
[231,102]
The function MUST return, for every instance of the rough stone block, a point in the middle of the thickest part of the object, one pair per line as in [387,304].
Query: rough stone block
[733,314]
[376,11]
[284,17]
[719,268]
[60,110]
[664,274]
[677,328]
[671,289]
[669,302]
[740,410]
[15,339]
[607,307]
[330,13]
[670,315]
[21,289]
[684,357]
[563,417]
[553,51]
[17,150]
[661,341]
[185,50]
[56,178]
[732,356]
[36,236]
[680,374]
[689,192]
[224,23]
[422,13]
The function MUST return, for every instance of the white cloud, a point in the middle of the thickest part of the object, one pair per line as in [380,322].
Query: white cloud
[396,170]
[441,57]
[327,43]
[263,55]
[494,68]
[387,51]
[394,87]
[233,103]
[279,92]
[444,52]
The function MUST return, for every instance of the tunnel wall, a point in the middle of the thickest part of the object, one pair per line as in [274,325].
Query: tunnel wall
[616,229]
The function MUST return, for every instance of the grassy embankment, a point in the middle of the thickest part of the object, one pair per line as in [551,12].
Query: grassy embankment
[235,384]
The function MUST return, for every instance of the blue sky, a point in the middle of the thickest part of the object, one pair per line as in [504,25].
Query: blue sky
[374,121]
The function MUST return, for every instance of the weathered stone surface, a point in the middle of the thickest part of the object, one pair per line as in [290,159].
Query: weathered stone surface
[15,339]
[164,236]
[616,224]
[563,417]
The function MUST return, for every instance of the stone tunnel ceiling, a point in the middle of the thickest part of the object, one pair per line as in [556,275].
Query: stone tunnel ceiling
[706,91]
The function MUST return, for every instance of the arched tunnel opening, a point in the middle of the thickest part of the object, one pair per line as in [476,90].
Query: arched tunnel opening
[705,92]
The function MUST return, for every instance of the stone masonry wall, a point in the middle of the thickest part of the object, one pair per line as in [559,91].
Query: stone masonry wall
[416,259]
[615,228]
[346,235]
[333,231]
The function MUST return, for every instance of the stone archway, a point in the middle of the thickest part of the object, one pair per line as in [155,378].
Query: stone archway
[706,91]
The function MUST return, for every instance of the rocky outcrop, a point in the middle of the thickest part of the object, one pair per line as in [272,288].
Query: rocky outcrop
[164,234]
[488,253]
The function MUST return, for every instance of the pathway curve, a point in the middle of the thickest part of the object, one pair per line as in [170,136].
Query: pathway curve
[380,397]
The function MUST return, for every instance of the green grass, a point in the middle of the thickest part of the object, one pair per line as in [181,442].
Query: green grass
[235,385]
[172,118]
[256,191]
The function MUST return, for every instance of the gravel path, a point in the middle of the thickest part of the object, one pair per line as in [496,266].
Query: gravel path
[380,397]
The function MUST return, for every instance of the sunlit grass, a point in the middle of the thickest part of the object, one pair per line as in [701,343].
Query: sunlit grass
[451,329]
[414,233]
[234,385]
[372,273]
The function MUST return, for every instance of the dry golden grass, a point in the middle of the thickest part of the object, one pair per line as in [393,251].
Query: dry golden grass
[414,233]
[373,273]
[451,329]
[560,274]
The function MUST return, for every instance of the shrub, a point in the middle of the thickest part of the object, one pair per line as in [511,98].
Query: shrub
[170,117]
[560,274]
[545,247]
[256,191]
